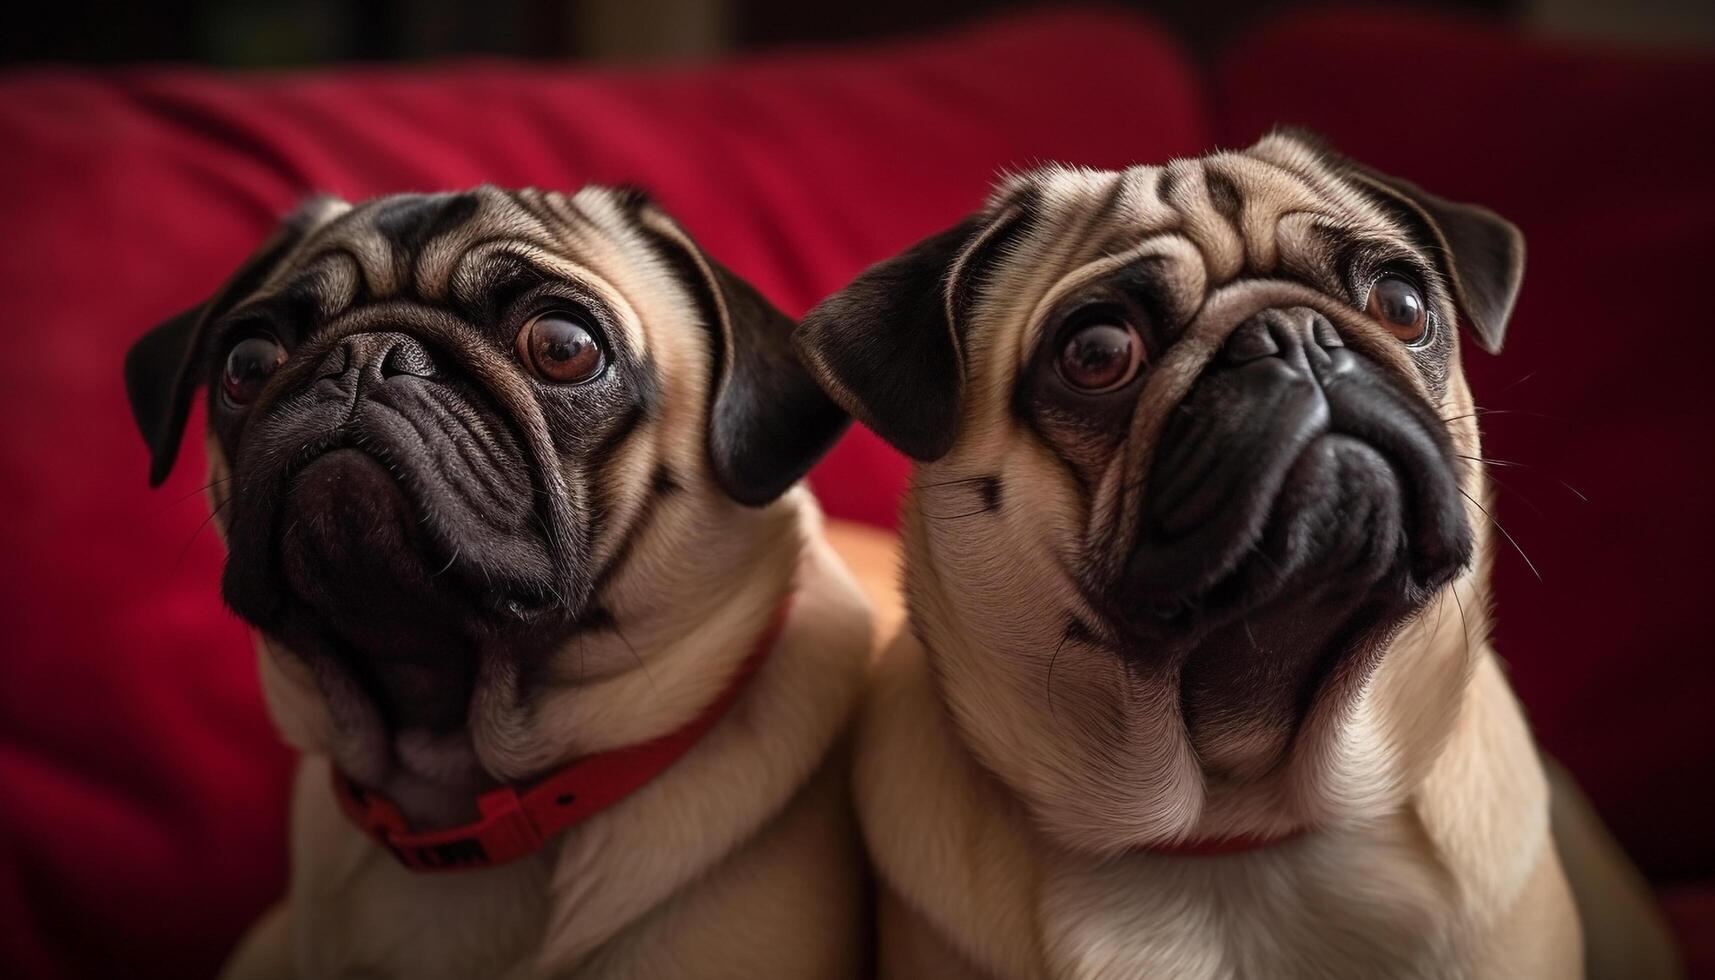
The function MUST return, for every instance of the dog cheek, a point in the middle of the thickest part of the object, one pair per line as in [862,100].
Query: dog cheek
[294,700]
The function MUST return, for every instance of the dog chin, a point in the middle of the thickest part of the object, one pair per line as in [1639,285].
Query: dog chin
[386,512]
[377,560]
[1336,520]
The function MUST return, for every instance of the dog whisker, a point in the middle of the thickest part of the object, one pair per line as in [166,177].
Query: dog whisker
[1504,532]
[952,483]
[448,565]
[1510,463]
[210,485]
[1488,461]
[1503,411]
[1464,623]
[634,654]
[956,517]
[1065,635]
[199,491]
[1525,377]
[204,523]
[1497,481]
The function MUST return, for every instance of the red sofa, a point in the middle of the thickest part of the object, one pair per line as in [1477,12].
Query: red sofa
[142,792]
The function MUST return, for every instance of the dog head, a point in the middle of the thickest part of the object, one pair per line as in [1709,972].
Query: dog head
[449,432]
[1196,459]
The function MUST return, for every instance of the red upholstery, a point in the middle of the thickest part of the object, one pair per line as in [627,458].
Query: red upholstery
[142,793]
[1604,163]
[1599,396]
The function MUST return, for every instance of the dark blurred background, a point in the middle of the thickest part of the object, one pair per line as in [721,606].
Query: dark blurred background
[287,33]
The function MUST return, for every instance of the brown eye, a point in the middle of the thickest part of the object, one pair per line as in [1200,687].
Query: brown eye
[1101,356]
[1399,306]
[249,365]
[560,347]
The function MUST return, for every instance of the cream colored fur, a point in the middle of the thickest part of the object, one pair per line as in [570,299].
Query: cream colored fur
[1009,781]
[738,861]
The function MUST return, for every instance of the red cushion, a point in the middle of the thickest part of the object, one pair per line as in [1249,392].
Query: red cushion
[144,791]
[1603,159]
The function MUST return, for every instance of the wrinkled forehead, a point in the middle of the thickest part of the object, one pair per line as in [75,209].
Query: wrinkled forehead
[471,251]
[1279,209]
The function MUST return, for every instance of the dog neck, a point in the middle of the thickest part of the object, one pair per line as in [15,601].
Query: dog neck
[1099,754]
[668,637]
[515,821]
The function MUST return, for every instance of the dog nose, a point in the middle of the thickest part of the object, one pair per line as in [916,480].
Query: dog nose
[1299,335]
[378,357]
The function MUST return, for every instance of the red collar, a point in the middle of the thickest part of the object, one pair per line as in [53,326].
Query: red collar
[1218,846]
[516,823]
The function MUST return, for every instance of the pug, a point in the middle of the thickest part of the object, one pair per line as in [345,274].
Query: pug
[1197,681]
[508,483]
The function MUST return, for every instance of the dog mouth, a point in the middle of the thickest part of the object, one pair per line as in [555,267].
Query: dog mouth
[387,500]
[397,545]
[359,506]
[1276,481]
[1330,507]
[357,540]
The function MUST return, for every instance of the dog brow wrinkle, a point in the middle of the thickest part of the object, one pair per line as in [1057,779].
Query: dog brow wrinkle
[1224,195]
[411,224]
[541,215]
[1165,178]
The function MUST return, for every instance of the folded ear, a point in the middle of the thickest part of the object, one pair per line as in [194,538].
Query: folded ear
[768,420]
[890,347]
[1482,253]
[162,369]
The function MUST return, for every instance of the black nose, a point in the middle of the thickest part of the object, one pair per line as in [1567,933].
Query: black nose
[1298,336]
[377,357]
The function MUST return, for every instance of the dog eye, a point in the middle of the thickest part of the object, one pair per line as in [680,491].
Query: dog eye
[560,347]
[249,365]
[1101,356]
[1399,306]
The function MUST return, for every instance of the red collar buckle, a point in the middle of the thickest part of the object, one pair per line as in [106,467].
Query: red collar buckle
[503,833]
[513,823]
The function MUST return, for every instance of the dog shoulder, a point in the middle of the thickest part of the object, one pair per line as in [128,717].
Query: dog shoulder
[908,947]
[1485,809]
[1485,801]
[835,606]
[785,904]
[948,845]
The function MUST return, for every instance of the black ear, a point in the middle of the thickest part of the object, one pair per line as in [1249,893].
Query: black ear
[162,369]
[1482,252]
[769,421]
[890,347]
